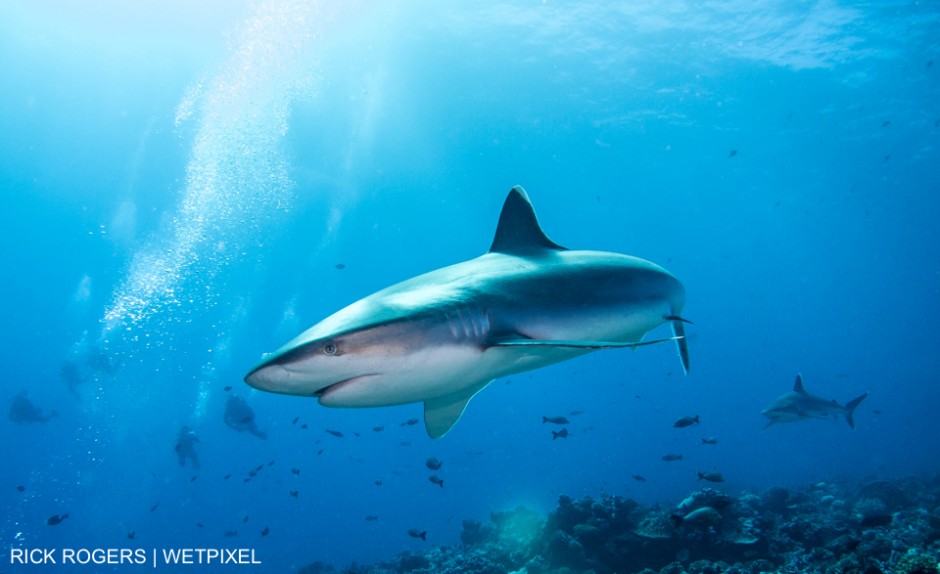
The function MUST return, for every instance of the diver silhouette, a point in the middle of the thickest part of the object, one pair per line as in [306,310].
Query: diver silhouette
[22,410]
[186,447]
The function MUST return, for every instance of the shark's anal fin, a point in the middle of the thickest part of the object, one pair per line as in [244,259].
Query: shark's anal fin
[441,414]
[578,344]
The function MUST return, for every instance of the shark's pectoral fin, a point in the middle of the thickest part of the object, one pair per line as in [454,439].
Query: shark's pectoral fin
[577,344]
[442,413]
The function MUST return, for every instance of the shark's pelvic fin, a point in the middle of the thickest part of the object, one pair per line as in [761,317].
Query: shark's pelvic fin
[798,385]
[441,414]
[578,344]
[518,230]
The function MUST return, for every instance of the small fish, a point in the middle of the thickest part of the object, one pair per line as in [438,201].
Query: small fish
[685,422]
[193,479]
[56,519]
[131,535]
[265,531]
[576,413]
[259,467]
[304,426]
[246,479]
[319,452]
[672,457]
[378,482]
[436,480]
[227,476]
[711,476]
[732,153]
[245,519]
[230,533]
[227,388]
[410,422]
[710,440]
[555,420]
[20,488]
[252,473]
[271,463]
[563,433]
[154,507]
[293,422]
[433,463]
[371,518]
[335,433]
[295,471]
[295,494]
[415,533]
[340,266]
[638,478]
[378,429]
[200,525]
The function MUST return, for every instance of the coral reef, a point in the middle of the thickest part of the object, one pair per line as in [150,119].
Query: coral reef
[826,528]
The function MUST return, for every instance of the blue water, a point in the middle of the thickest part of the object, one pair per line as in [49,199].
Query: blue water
[181,185]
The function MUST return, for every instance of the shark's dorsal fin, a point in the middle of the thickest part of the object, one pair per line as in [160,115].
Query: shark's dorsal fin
[798,385]
[441,414]
[518,230]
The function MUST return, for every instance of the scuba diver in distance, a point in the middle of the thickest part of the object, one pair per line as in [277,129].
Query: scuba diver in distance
[22,410]
[186,447]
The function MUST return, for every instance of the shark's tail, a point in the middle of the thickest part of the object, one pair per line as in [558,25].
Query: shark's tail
[850,409]
[678,330]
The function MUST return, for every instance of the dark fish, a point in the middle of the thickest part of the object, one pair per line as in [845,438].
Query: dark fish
[355,434]
[710,440]
[193,479]
[131,535]
[246,479]
[732,153]
[378,482]
[335,433]
[340,266]
[230,533]
[245,519]
[436,480]
[20,488]
[555,420]
[295,494]
[685,422]
[304,426]
[563,433]
[371,518]
[886,123]
[576,413]
[712,476]
[638,478]
[227,388]
[293,422]
[378,429]
[271,463]
[266,531]
[410,422]
[252,473]
[227,476]
[415,533]
[200,525]
[319,452]
[295,471]
[672,457]
[56,519]
[259,467]
[154,507]
[433,463]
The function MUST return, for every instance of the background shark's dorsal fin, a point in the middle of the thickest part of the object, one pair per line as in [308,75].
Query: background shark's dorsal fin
[518,230]
[798,385]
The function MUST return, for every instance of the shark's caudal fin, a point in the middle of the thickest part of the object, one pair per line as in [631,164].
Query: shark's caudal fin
[678,329]
[441,414]
[518,230]
[850,409]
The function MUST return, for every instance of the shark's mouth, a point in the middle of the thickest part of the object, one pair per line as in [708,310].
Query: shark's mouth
[335,387]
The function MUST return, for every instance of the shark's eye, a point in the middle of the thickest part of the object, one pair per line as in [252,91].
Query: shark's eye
[329,348]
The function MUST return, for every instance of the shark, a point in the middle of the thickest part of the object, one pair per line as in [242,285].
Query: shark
[441,337]
[799,405]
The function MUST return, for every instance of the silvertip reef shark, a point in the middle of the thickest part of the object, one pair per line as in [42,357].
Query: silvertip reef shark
[441,337]
[798,405]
